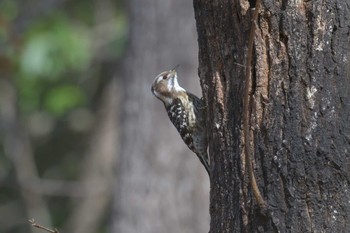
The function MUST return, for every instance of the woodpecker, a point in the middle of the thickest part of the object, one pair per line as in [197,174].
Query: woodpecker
[186,111]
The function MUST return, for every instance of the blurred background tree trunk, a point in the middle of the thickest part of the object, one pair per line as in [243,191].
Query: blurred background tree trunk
[160,186]
[299,113]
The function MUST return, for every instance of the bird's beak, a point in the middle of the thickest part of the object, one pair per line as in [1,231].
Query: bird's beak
[173,71]
[175,68]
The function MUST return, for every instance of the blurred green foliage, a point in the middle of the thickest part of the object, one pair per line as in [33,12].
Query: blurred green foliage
[63,98]
[54,46]
[9,9]
[58,55]
[55,53]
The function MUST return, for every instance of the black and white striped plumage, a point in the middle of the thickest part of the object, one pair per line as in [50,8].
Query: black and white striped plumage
[186,111]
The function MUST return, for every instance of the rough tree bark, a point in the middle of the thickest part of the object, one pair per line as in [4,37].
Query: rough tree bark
[299,113]
[161,185]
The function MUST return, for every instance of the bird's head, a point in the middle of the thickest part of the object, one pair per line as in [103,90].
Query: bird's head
[165,86]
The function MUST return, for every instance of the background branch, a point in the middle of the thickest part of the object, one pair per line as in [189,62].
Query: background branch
[34,224]
[18,149]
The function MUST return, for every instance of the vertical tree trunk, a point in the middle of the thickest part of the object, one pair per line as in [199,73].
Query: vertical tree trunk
[162,186]
[299,113]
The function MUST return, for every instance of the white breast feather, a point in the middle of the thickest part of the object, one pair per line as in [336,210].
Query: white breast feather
[174,85]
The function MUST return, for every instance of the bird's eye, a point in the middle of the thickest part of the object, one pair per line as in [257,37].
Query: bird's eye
[164,77]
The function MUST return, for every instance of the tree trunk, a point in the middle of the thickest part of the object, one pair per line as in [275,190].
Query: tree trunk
[299,113]
[161,186]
